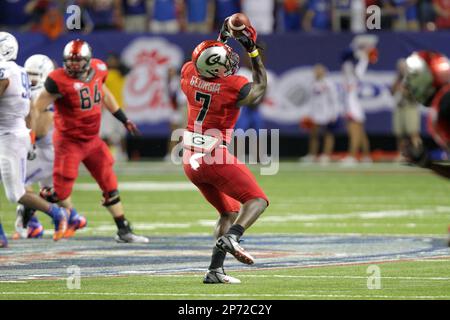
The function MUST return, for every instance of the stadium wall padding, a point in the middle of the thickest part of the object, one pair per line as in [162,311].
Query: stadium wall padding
[288,57]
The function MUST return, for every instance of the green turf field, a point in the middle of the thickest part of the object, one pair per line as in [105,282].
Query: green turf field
[378,200]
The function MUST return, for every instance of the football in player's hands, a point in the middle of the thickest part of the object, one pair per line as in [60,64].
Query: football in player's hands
[248,39]
[237,24]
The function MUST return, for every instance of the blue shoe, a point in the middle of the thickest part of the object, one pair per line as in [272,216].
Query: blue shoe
[35,229]
[60,222]
[76,222]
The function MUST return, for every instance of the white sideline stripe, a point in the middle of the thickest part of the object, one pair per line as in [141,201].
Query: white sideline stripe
[142,226]
[301,217]
[142,186]
[307,218]
[344,277]
[223,295]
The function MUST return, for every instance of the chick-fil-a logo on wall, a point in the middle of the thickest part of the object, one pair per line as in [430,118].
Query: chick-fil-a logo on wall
[145,92]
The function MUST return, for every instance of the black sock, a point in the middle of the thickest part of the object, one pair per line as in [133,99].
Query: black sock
[217,259]
[237,230]
[122,223]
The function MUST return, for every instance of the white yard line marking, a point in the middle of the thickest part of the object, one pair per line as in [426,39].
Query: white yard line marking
[289,276]
[302,217]
[361,215]
[142,226]
[142,186]
[344,277]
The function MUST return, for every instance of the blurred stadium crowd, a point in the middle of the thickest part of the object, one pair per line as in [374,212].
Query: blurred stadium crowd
[204,16]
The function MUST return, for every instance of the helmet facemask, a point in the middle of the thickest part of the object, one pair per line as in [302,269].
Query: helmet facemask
[232,63]
[76,67]
[38,67]
[35,78]
[77,58]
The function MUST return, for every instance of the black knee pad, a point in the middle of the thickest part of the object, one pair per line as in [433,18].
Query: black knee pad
[111,198]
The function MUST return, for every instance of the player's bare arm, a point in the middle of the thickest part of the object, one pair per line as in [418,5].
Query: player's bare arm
[110,102]
[44,99]
[4,83]
[39,106]
[259,84]
[43,123]
[247,39]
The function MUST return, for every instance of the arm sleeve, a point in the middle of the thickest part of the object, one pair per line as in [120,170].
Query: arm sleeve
[245,90]
[239,84]
[51,86]
[101,68]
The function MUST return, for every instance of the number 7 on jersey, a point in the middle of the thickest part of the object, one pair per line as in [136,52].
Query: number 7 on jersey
[205,100]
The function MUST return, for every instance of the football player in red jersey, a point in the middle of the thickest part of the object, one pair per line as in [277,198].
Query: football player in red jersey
[78,93]
[214,94]
[428,79]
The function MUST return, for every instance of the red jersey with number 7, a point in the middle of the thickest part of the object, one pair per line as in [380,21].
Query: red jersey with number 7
[79,107]
[212,103]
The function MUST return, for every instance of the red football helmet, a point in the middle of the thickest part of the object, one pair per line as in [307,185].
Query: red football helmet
[426,71]
[77,56]
[214,59]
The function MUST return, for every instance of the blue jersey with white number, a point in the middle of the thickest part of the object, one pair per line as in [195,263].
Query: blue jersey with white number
[15,101]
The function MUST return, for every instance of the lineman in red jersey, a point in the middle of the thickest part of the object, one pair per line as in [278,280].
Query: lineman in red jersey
[214,95]
[428,78]
[78,93]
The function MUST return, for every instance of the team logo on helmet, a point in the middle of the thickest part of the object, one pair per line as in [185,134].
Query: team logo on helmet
[213,59]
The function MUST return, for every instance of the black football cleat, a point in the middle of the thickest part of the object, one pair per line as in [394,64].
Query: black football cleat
[219,276]
[230,244]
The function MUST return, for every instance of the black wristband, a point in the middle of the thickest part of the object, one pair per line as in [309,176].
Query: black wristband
[121,116]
